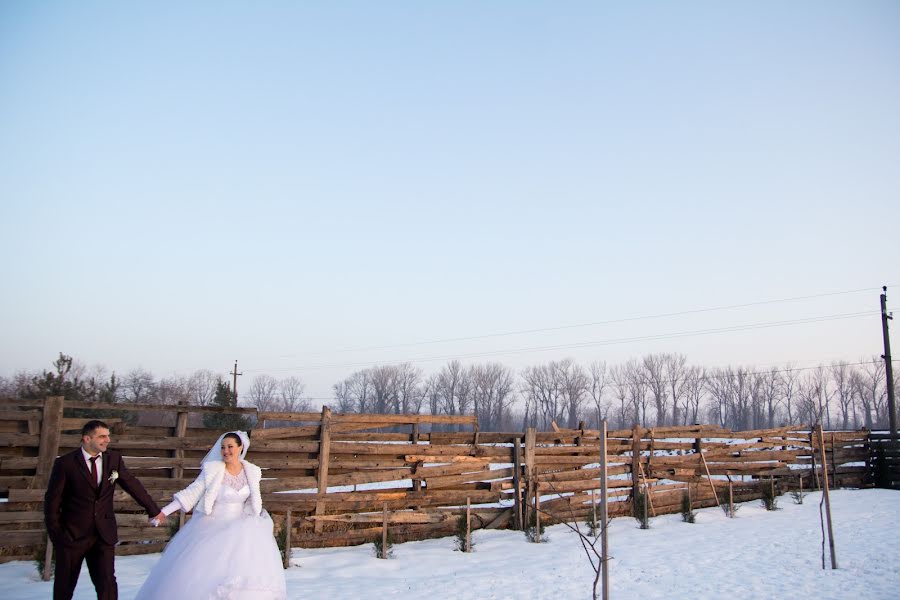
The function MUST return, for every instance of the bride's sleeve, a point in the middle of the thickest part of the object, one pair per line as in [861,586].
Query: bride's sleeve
[188,497]
[171,507]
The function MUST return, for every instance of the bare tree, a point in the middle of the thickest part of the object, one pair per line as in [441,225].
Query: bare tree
[410,391]
[654,366]
[638,391]
[384,389]
[263,393]
[618,375]
[542,390]
[814,396]
[139,387]
[356,393]
[344,402]
[451,388]
[841,376]
[573,383]
[202,387]
[676,373]
[718,384]
[872,393]
[694,391]
[769,390]
[173,390]
[789,387]
[600,381]
[492,394]
[290,392]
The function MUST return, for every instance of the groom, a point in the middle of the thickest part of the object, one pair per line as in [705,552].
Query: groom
[78,512]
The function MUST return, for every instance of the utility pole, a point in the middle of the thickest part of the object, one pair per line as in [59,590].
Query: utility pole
[234,386]
[888,371]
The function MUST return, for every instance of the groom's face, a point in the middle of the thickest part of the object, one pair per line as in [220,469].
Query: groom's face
[96,441]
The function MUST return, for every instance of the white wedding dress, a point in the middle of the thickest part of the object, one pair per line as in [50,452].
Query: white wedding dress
[228,554]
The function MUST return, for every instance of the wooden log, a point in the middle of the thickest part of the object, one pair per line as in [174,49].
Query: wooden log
[517,470]
[530,482]
[324,449]
[288,525]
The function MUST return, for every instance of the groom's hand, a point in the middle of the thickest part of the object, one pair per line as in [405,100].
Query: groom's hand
[160,519]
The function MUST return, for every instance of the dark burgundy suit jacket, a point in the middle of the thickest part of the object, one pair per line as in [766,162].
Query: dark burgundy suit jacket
[73,507]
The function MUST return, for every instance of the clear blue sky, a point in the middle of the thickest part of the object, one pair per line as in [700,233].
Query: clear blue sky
[183,184]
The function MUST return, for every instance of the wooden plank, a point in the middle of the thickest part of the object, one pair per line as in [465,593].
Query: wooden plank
[392,517]
[50,436]
[324,449]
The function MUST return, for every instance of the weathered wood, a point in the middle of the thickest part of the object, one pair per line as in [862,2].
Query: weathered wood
[324,449]
[287,538]
[517,470]
[604,513]
[834,564]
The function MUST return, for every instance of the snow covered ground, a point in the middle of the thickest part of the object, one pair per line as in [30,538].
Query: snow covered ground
[758,554]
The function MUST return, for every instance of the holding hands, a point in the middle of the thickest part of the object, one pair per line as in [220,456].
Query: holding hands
[158,519]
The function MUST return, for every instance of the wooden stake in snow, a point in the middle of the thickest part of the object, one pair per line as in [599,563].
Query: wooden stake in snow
[709,477]
[384,529]
[604,515]
[468,524]
[827,500]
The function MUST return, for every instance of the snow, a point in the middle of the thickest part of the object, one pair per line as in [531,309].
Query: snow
[757,555]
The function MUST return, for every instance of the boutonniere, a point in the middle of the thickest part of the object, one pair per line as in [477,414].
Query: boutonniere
[113,476]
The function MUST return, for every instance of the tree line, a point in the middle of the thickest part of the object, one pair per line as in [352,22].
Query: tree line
[653,390]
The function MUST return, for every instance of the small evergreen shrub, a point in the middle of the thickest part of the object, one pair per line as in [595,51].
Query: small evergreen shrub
[382,551]
[535,532]
[638,510]
[461,528]
[40,554]
[769,496]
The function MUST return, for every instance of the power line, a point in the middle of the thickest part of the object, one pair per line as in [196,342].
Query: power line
[595,323]
[614,341]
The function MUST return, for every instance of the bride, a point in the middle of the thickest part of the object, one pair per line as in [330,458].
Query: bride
[227,549]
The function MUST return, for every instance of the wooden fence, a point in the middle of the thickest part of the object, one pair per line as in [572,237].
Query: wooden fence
[885,460]
[339,479]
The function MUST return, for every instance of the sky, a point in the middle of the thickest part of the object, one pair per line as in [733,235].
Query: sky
[315,188]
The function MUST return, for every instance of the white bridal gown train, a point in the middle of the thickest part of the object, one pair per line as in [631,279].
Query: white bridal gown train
[227,554]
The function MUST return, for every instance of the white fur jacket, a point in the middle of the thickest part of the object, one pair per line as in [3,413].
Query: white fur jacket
[203,492]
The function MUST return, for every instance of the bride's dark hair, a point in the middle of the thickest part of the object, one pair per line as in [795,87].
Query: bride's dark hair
[235,437]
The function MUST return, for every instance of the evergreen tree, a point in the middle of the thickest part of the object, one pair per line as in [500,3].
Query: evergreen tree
[223,421]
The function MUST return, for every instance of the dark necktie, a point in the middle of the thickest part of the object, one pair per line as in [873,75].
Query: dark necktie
[94,470]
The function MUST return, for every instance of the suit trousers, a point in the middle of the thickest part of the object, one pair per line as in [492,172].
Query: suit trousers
[100,558]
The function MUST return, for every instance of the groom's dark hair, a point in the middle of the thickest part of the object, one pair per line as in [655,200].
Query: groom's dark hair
[91,426]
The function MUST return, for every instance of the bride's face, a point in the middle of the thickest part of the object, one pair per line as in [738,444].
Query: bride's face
[231,451]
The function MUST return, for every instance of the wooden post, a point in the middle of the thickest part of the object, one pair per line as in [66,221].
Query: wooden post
[530,472]
[647,499]
[417,483]
[834,478]
[812,448]
[181,423]
[604,514]
[709,477]
[287,539]
[384,530]
[324,451]
[834,564]
[730,499]
[51,421]
[635,460]
[517,487]
[468,524]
